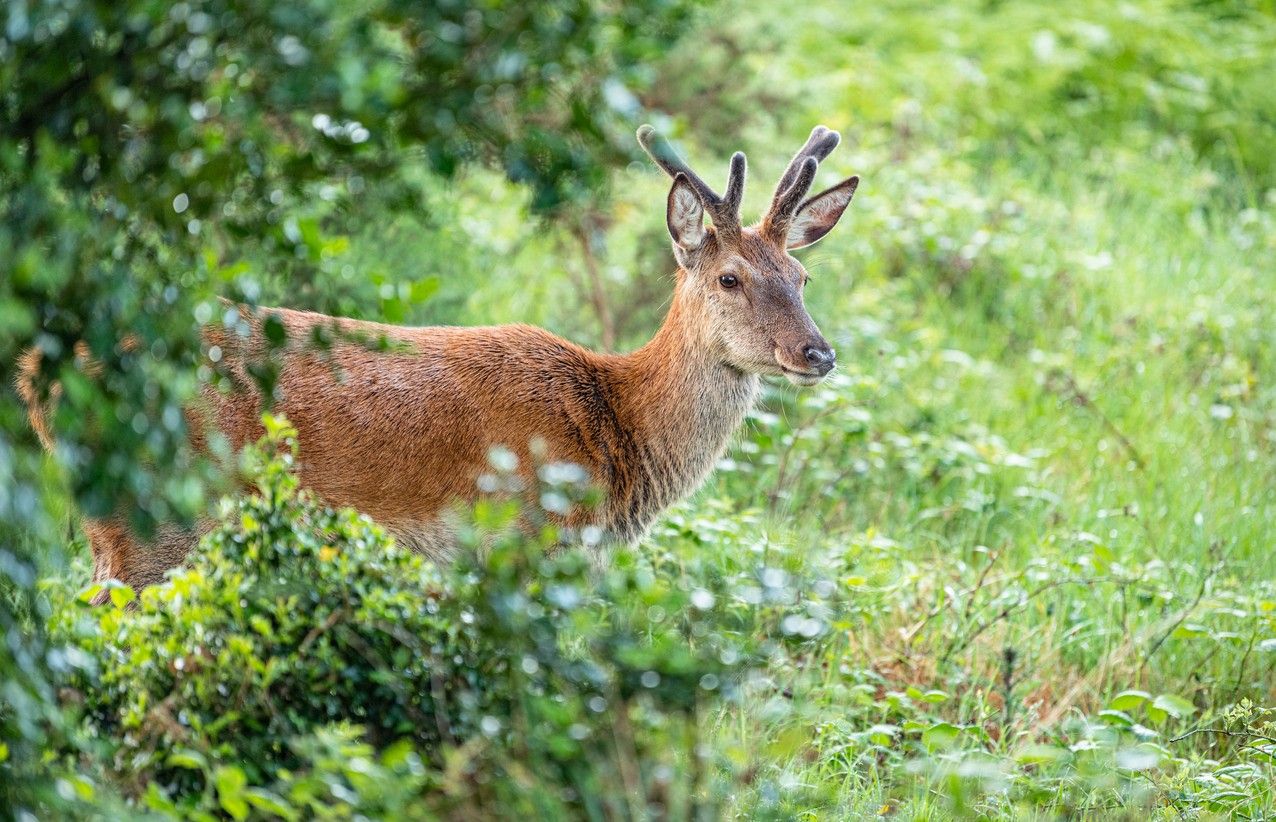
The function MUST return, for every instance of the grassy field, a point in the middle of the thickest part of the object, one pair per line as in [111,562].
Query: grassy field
[1032,515]
[1044,475]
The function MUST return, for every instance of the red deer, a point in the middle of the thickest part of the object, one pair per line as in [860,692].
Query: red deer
[403,435]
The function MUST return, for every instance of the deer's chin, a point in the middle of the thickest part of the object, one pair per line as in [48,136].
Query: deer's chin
[804,379]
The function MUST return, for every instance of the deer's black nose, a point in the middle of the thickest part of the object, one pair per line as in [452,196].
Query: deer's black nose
[820,357]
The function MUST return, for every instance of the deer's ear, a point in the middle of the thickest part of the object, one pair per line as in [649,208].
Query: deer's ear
[685,215]
[817,216]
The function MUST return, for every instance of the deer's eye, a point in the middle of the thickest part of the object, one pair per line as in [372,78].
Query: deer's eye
[728,281]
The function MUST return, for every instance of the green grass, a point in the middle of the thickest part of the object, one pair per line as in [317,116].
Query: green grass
[1051,439]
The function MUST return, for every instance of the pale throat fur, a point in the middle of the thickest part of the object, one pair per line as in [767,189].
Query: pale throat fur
[677,404]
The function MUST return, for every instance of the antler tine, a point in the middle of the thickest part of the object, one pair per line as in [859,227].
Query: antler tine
[797,179]
[819,145]
[735,186]
[659,149]
[786,204]
[725,212]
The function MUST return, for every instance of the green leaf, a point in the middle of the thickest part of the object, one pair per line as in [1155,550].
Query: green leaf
[399,754]
[121,596]
[90,592]
[1119,719]
[1128,700]
[186,758]
[230,782]
[883,734]
[157,800]
[1190,630]
[261,625]
[940,735]
[1040,754]
[272,803]
[1175,706]
[424,289]
[789,742]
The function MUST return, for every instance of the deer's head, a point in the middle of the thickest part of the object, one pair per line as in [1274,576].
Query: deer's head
[744,281]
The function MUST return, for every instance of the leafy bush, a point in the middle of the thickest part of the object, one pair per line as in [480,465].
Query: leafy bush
[293,616]
[514,681]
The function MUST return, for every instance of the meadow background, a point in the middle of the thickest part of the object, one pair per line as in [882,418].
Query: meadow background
[1014,560]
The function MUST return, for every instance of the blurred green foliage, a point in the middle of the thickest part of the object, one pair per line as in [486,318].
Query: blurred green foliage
[1012,562]
[1025,78]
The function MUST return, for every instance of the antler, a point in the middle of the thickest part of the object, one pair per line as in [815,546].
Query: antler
[796,181]
[724,211]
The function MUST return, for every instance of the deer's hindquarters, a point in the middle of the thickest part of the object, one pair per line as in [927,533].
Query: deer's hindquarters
[119,554]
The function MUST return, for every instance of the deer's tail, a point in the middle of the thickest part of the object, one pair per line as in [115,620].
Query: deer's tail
[38,409]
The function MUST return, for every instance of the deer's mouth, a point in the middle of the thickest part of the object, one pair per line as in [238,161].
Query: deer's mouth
[803,378]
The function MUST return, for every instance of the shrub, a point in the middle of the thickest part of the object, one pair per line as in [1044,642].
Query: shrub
[301,640]
[292,616]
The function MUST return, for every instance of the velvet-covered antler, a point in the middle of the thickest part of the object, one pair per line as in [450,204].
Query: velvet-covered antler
[725,210]
[796,182]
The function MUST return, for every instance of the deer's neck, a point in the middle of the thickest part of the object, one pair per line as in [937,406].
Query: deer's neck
[680,405]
